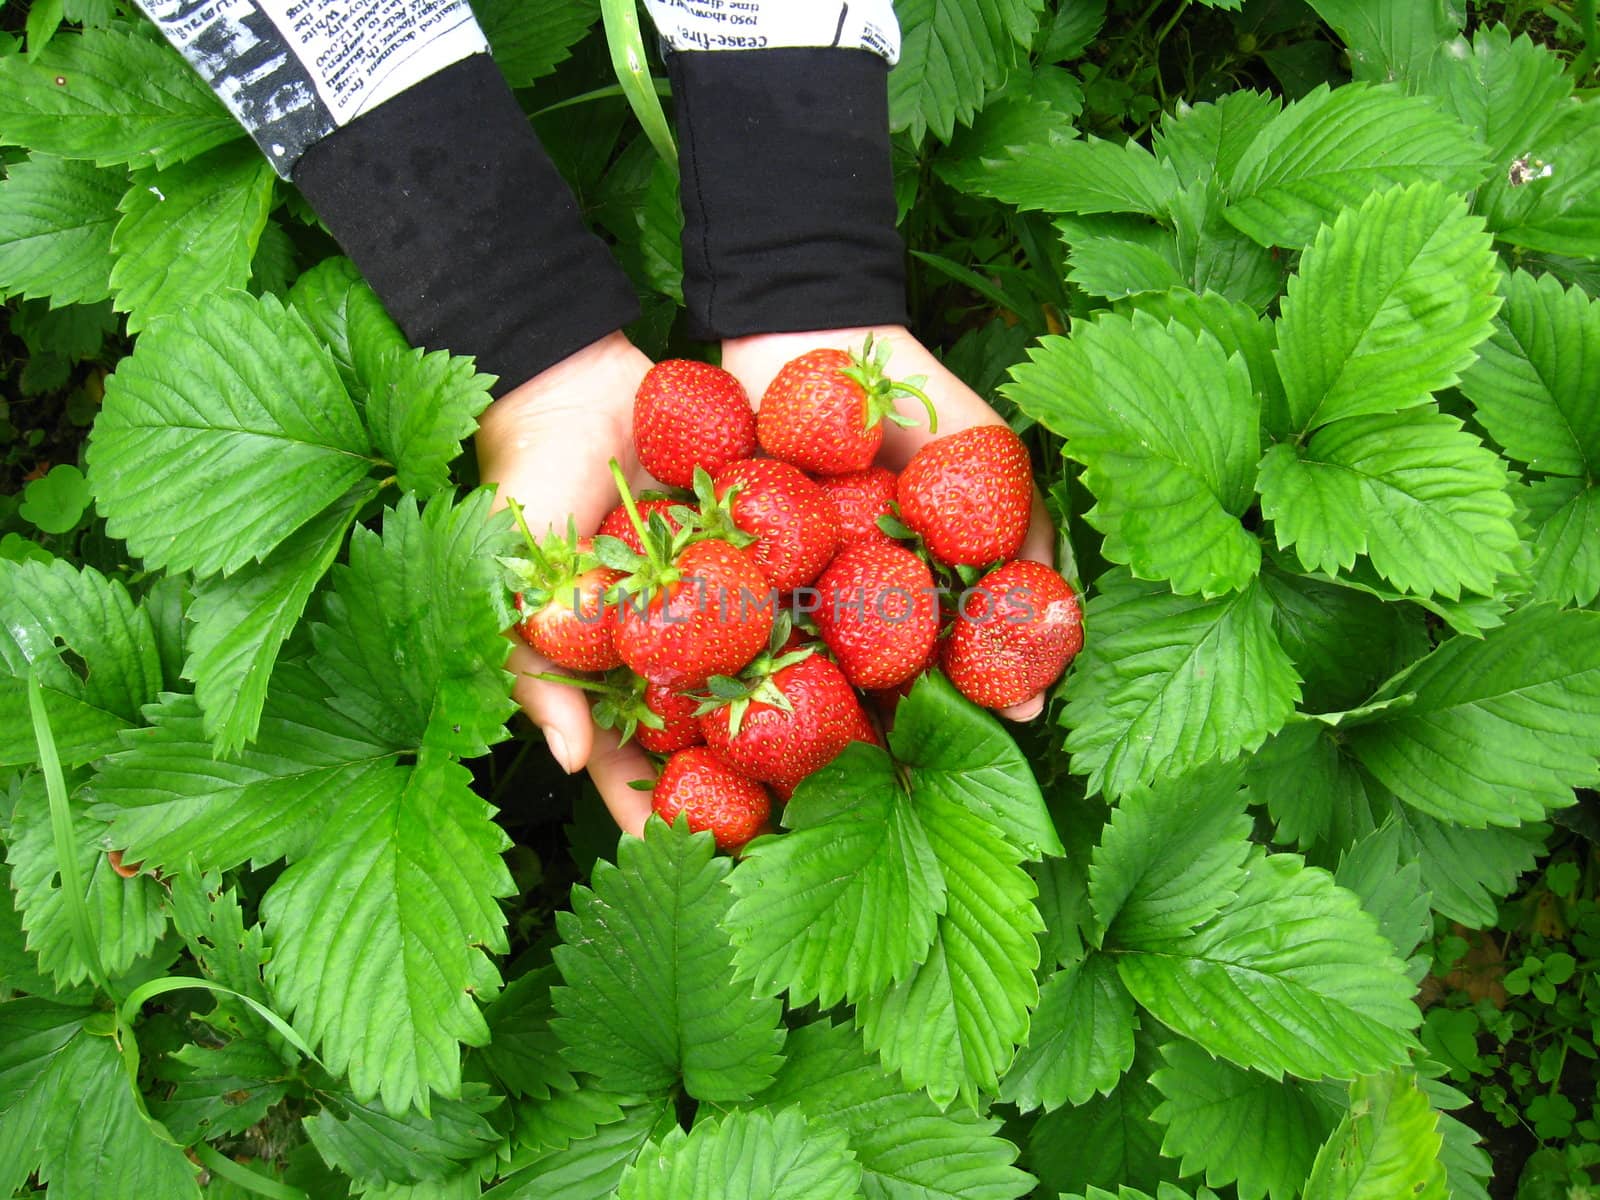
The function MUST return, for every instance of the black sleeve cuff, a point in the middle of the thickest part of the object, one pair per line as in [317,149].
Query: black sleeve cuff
[788,191]
[449,206]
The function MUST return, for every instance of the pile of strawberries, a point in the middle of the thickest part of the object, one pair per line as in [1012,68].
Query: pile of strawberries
[739,619]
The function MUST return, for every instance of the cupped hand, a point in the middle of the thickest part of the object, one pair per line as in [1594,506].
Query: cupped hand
[755,360]
[548,444]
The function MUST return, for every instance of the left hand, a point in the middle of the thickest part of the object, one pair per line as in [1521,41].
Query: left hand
[755,360]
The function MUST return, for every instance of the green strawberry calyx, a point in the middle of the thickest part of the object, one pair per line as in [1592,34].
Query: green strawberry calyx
[657,567]
[715,518]
[870,370]
[549,568]
[619,702]
[755,682]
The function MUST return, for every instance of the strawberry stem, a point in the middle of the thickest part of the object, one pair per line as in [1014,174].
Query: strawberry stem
[869,369]
[645,540]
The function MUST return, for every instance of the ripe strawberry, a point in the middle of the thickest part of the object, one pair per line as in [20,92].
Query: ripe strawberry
[794,721]
[1017,630]
[865,730]
[824,411]
[796,530]
[969,495]
[620,526]
[679,729]
[690,609]
[713,796]
[561,586]
[860,498]
[878,612]
[690,414]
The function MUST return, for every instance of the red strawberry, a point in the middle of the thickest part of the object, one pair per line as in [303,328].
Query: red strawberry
[620,526]
[969,495]
[824,411]
[878,612]
[1017,630]
[860,498]
[561,586]
[698,784]
[865,730]
[793,722]
[690,414]
[690,609]
[679,729]
[796,530]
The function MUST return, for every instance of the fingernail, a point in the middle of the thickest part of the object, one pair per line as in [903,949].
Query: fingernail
[558,747]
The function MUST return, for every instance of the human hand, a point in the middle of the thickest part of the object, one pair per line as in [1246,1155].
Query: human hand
[755,360]
[547,444]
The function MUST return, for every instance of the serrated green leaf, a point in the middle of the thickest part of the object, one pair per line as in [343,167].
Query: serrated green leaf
[1206,140]
[1389,881]
[208,918]
[1239,1126]
[1171,857]
[1108,1140]
[1167,427]
[19,966]
[56,218]
[1414,491]
[1080,1040]
[1536,384]
[778,1155]
[589,1168]
[1566,553]
[125,915]
[1502,728]
[1387,1145]
[1390,41]
[241,622]
[1466,871]
[94,652]
[236,408]
[397,898]
[1505,90]
[908,1149]
[1238,329]
[1388,305]
[952,1026]
[1029,108]
[212,1091]
[374,1146]
[1061,174]
[110,96]
[1312,791]
[1291,977]
[649,937]
[961,752]
[73,331]
[523,1050]
[1333,148]
[530,38]
[1116,268]
[1467,1166]
[1213,256]
[563,1117]
[952,53]
[349,319]
[420,408]
[69,1112]
[167,794]
[1557,212]
[846,903]
[1166,683]
[189,231]
[429,583]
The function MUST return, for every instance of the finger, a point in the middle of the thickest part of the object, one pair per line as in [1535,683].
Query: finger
[561,713]
[1039,544]
[1025,710]
[613,768]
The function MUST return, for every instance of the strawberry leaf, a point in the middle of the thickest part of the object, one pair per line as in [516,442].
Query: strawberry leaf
[1207,140]
[236,408]
[908,1149]
[1388,1144]
[530,38]
[1166,683]
[56,218]
[955,52]
[1170,511]
[397,898]
[110,96]
[1390,41]
[188,232]
[1388,305]
[588,1167]
[648,938]
[420,408]
[429,583]
[1239,1126]
[523,1051]
[1064,175]
[1291,976]
[1080,1040]
[778,1155]
[348,319]
[1505,90]
[1107,1140]
[846,903]
[376,1147]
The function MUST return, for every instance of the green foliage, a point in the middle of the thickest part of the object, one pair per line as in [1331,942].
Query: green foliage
[56,218]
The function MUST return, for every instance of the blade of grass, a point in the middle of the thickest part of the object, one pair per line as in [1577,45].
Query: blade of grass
[243,1176]
[626,44]
[177,983]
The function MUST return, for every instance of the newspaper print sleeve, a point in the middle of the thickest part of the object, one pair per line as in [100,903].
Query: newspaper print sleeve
[778,24]
[293,71]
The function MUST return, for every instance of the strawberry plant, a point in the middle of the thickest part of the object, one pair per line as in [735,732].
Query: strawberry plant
[1294,310]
